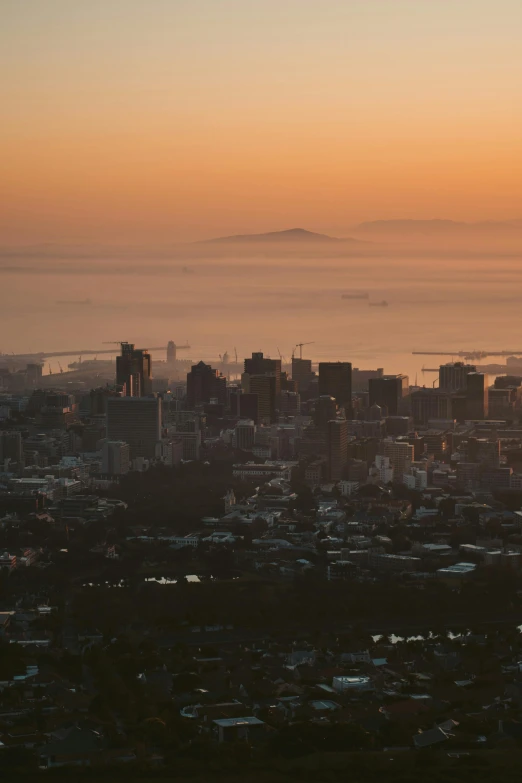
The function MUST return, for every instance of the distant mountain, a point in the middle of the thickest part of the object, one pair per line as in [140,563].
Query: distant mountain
[434,228]
[290,235]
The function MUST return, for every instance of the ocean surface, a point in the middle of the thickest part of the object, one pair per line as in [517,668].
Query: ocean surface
[268,304]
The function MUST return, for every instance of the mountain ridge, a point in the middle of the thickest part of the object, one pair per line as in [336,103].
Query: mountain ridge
[287,235]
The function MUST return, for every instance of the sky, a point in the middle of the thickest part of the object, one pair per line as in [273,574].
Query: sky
[157,121]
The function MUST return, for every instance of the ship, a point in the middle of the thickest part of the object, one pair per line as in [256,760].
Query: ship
[356,295]
[382,303]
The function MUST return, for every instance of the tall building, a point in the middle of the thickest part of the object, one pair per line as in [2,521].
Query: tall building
[325,410]
[429,404]
[258,364]
[244,434]
[335,380]
[115,457]
[388,391]
[290,402]
[302,373]
[477,395]
[264,386]
[133,371]
[337,446]
[171,352]
[204,383]
[453,375]
[10,446]
[136,421]
[400,454]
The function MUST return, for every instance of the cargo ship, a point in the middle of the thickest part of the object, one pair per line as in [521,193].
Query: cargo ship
[382,303]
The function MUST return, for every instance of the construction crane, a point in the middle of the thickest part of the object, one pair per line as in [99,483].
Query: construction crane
[235,352]
[300,346]
[281,356]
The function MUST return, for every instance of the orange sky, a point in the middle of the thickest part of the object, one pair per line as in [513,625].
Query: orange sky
[164,120]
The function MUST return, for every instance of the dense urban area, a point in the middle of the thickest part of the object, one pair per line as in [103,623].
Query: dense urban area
[268,568]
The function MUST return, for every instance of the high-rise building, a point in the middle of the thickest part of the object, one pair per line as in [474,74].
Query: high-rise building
[33,374]
[400,454]
[244,434]
[429,404]
[264,386]
[133,371]
[204,383]
[258,364]
[337,445]
[171,352]
[290,402]
[453,375]
[115,457]
[302,373]
[136,421]
[388,391]
[325,410]
[477,395]
[335,380]
[10,446]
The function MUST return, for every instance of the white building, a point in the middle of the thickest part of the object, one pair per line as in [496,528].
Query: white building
[381,471]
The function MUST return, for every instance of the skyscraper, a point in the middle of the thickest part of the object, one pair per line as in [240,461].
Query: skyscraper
[302,373]
[133,370]
[204,383]
[453,375]
[264,386]
[429,404]
[258,364]
[388,391]
[335,380]
[10,446]
[337,445]
[477,395]
[136,421]
[171,352]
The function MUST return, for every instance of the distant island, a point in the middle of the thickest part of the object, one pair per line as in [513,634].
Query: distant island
[289,235]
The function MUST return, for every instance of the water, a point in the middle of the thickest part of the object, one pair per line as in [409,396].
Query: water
[266,304]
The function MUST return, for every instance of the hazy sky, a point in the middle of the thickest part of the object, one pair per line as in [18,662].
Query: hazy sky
[165,120]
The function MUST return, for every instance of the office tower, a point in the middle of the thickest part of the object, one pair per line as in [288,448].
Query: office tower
[429,404]
[288,384]
[264,386]
[10,446]
[335,380]
[302,373]
[290,402]
[388,391]
[260,365]
[476,395]
[325,410]
[136,421]
[171,352]
[33,374]
[203,384]
[133,371]
[453,375]
[244,434]
[337,448]
[360,378]
[249,407]
[401,455]
[115,457]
